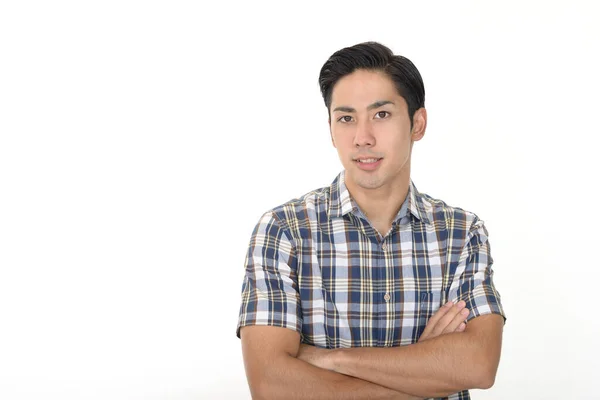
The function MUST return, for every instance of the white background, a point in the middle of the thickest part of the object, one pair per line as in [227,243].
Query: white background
[141,141]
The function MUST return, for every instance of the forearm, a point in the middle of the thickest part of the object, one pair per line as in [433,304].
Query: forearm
[435,368]
[291,378]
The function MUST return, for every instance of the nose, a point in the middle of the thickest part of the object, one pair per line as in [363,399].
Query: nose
[363,137]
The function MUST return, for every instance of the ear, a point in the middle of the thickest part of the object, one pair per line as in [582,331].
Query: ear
[419,124]
[331,133]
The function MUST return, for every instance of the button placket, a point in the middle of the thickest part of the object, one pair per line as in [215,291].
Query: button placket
[386,296]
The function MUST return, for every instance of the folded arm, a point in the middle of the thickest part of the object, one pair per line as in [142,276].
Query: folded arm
[274,372]
[435,367]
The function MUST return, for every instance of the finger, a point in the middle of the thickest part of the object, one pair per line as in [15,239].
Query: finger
[436,317]
[448,317]
[461,327]
[458,319]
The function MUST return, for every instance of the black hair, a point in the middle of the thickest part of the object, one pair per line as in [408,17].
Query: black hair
[374,56]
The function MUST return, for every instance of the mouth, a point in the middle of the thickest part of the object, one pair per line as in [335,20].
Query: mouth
[368,164]
[367,160]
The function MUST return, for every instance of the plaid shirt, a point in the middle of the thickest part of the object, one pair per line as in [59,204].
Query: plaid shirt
[317,266]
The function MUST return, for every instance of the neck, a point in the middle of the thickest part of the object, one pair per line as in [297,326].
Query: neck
[381,205]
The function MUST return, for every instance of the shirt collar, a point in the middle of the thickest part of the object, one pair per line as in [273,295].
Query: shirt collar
[341,203]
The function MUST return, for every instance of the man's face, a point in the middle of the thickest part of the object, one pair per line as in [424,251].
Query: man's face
[370,128]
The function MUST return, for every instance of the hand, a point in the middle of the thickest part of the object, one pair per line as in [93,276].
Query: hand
[450,318]
[315,356]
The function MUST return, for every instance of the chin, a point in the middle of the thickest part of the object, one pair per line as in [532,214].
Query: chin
[368,183]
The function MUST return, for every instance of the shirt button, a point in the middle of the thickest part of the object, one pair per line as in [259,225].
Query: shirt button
[383,247]
[387,297]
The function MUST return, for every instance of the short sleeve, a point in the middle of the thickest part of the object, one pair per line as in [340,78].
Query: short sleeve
[473,279]
[270,287]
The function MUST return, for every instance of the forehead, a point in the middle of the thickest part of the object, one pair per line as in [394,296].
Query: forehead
[363,87]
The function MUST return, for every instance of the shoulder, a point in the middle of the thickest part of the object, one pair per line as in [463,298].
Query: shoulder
[298,213]
[302,210]
[448,217]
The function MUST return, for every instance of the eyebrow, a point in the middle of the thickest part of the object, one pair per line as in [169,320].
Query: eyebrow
[377,104]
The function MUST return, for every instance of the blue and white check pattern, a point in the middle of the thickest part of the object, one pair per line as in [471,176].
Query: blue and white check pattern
[317,266]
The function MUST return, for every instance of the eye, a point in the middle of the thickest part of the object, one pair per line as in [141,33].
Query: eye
[381,114]
[345,118]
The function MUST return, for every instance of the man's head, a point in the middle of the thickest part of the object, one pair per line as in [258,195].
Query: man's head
[375,102]
[374,56]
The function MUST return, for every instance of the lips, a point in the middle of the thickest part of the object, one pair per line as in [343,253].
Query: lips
[368,160]
[368,164]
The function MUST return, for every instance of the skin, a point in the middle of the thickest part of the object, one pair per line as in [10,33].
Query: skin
[369,119]
[278,366]
[435,367]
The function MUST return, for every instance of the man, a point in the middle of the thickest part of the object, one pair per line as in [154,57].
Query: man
[369,289]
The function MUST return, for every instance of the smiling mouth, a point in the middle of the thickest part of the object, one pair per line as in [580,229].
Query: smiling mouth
[367,160]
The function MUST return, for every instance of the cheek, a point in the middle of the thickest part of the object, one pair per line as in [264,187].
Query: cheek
[342,137]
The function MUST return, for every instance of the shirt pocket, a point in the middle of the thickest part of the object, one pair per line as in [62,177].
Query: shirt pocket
[429,304]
